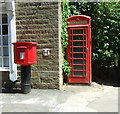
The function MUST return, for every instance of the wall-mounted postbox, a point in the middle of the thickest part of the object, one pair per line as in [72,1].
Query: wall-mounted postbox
[25,53]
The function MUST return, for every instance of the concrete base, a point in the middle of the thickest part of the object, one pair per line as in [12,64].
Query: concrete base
[72,98]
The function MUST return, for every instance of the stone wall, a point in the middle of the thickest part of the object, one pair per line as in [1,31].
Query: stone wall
[39,22]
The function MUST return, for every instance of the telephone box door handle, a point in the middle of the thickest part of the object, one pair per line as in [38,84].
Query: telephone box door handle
[86,49]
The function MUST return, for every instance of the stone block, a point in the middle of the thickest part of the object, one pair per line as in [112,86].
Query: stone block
[38,22]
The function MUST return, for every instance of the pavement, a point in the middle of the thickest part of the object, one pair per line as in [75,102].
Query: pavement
[72,98]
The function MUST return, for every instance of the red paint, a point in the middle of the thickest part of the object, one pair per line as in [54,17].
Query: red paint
[79,49]
[25,53]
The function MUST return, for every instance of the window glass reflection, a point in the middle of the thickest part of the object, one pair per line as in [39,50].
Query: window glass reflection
[79,67]
[6,62]
[0,62]
[0,29]
[5,40]
[78,73]
[4,29]
[4,9]
[4,18]
[79,55]
[77,31]
[0,41]
[79,38]
[79,61]
[5,51]
[0,51]
[78,49]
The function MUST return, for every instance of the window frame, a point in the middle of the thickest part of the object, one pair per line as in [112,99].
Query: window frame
[12,38]
[3,67]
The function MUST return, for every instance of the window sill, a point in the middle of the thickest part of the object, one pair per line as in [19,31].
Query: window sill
[4,69]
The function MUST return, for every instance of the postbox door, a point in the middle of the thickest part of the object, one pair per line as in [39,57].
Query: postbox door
[78,55]
[21,52]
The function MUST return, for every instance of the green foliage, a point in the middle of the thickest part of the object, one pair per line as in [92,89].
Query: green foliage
[66,68]
[105,29]
[65,15]
[64,35]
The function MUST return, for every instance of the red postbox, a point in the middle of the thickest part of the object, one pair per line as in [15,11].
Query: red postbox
[79,49]
[25,53]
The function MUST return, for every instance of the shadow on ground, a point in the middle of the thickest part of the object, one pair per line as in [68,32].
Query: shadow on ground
[3,90]
[106,76]
[109,82]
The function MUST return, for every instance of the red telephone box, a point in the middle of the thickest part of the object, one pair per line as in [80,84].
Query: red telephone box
[78,51]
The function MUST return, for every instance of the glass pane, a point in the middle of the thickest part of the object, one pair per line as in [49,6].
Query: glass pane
[0,20]
[78,73]
[0,29]
[78,37]
[4,18]
[78,61]
[5,40]
[78,49]
[0,7]
[78,31]
[4,29]
[4,7]
[0,62]
[0,51]
[5,51]
[0,41]
[79,67]
[6,62]
[78,44]
[79,55]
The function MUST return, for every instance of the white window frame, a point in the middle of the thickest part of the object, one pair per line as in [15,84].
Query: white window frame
[12,34]
[12,38]
[3,68]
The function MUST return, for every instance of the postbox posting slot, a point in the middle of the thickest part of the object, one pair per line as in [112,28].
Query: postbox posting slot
[21,47]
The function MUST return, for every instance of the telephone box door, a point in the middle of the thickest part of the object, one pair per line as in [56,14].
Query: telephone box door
[79,52]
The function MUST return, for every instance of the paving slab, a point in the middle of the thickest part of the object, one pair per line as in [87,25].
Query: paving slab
[72,98]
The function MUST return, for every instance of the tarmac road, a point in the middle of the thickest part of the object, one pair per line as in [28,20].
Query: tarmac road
[72,98]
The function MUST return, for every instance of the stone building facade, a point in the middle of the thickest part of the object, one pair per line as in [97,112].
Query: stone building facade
[41,22]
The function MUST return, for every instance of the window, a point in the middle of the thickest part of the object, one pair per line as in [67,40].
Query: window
[7,37]
[4,48]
